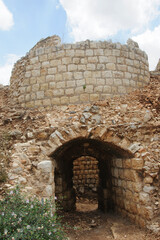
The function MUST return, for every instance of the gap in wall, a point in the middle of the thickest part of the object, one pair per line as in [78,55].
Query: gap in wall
[85,182]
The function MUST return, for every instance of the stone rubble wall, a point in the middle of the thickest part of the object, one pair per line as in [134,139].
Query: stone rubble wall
[85,175]
[56,74]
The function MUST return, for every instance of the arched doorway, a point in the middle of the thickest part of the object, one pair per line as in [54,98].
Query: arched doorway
[103,152]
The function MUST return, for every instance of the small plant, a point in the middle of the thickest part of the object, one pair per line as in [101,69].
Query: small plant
[84,86]
[28,219]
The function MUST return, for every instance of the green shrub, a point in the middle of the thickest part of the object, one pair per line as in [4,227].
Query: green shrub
[24,219]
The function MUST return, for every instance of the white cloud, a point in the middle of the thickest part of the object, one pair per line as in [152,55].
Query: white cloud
[5,70]
[149,41]
[98,19]
[6,17]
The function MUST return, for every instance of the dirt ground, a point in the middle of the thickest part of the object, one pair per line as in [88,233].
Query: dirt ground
[88,223]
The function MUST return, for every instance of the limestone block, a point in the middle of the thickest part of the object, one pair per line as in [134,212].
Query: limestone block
[55,101]
[30,104]
[58,92]
[89,89]
[79,53]
[35,73]
[70,53]
[91,67]
[44,86]
[46,102]
[72,67]
[67,76]
[66,60]
[49,190]
[122,89]
[116,52]
[52,70]
[78,75]
[40,94]
[98,89]
[62,68]
[110,66]
[103,59]
[64,100]
[92,59]
[55,62]
[41,79]
[89,52]
[101,66]
[60,84]
[107,89]
[38,103]
[84,97]
[98,52]
[79,90]
[81,67]
[70,91]
[43,58]
[71,83]
[117,82]
[74,99]
[50,78]
[28,74]
[80,82]
[46,64]
[34,60]
[112,59]
[94,97]
[137,163]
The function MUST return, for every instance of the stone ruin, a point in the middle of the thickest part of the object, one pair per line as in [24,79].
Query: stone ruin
[54,74]
[74,128]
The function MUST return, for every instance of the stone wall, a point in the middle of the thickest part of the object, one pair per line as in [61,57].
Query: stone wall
[55,74]
[85,175]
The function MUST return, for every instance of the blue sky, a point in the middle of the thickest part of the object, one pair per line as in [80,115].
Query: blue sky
[24,22]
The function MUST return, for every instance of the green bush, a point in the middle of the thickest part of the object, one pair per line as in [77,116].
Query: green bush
[24,219]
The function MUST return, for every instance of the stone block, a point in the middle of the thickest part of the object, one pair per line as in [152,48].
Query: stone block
[122,90]
[45,166]
[61,84]
[55,101]
[72,67]
[50,78]
[43,58]
[58,92]
[89,52]
[55,63]
[91,67]
[40,94]
[46,64]
[62,68]
[98,52]
[71,83]
[79,53]
[69,91]
[137,163]
[107,89]
[64,100]
[70,53]
[111,66]
[84,97]
[78,75]
[92,59]
[94,97]
[74,99]
[80,82]
[66,60]
[67,76]
[46,102]
[35,73]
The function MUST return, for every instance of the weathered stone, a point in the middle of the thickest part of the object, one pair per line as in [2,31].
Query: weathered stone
[45,166]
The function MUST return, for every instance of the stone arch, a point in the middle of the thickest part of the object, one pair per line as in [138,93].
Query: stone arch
[98,143]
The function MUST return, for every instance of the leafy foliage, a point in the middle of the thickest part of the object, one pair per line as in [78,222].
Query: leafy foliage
[25,219]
